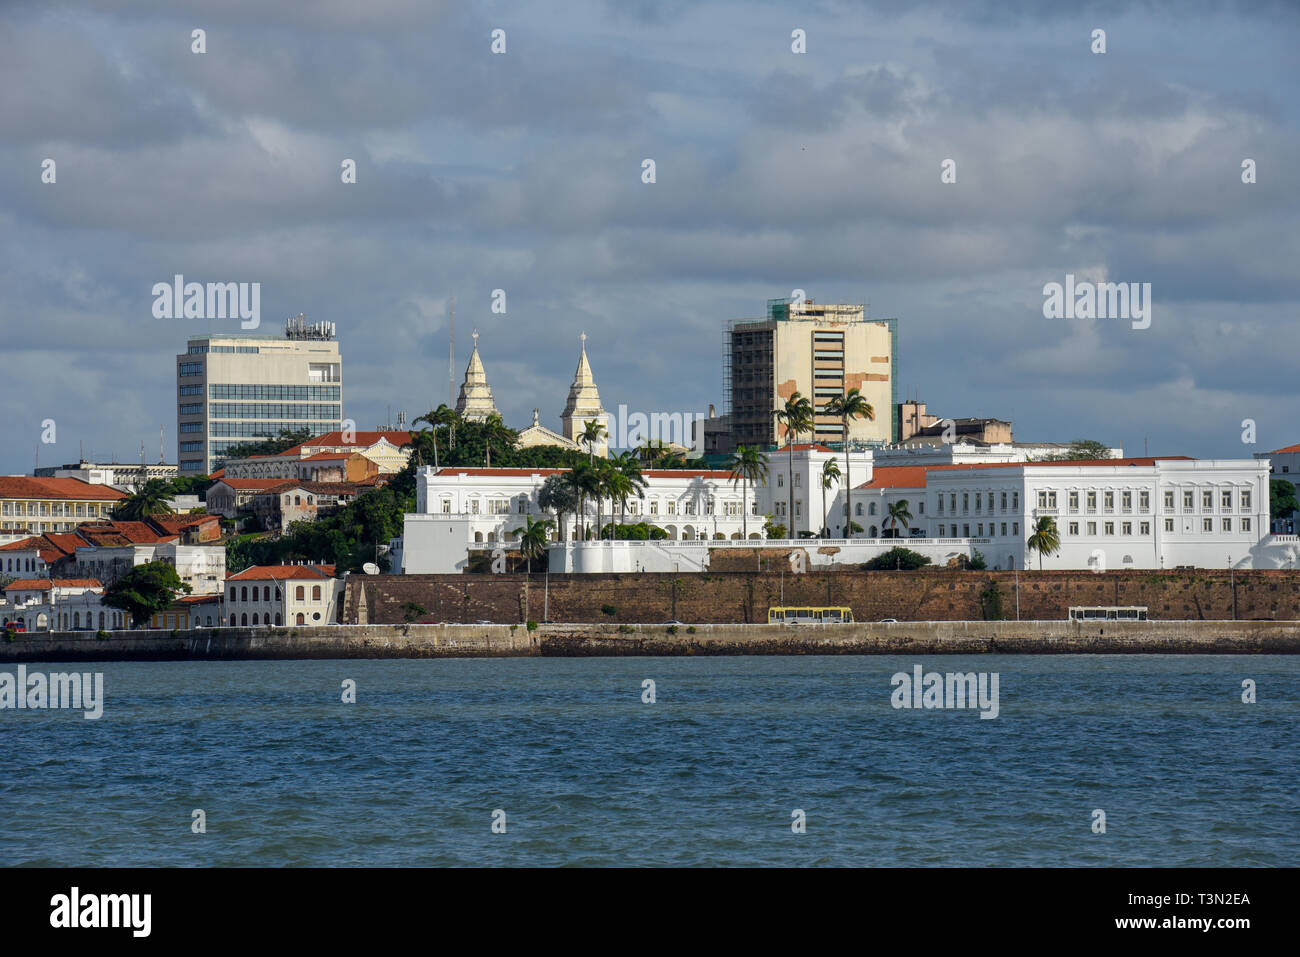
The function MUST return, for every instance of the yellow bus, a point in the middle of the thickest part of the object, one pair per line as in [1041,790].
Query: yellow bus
[809,615]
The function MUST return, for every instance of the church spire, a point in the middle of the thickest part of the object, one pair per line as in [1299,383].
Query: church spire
[583,404]
[475,401]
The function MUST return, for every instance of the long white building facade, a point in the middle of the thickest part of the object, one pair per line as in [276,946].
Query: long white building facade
[1109,514]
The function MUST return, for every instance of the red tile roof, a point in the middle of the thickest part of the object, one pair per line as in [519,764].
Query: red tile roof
[914,476]
[120,533]
[23,486]
[360,440]
[805,446]
[282,573]
[197,599]
[1289,449]
[648,473]
[178,523]
[47,550]
[44,584]
[218,473]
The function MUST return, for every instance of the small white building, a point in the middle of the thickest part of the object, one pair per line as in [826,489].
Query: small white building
[283,595]
[59,604]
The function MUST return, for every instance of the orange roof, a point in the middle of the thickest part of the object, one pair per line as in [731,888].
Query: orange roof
[66,542]
[914,476]
[196,599]
[218,473]
[22,486]
[282,573]
[44,584]
[247,485]
[178,523]
[648,473]
[805,446]
[1285,451]
[120,533]
[49,551]
[360,440]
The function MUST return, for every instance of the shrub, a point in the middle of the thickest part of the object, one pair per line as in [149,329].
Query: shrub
[672,629]
[609,610]
[625,629]
[10,635]
[976,562]
[690,629]
[991,602]
[101,635]
[532,625]
[897,557]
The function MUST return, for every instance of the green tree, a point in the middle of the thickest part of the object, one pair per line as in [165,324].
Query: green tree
[560,494]
[626,481]
[897,558]
[284,440]
[590,436]
[830,476]
[532,538]
[150,499]
[1045,538]
[852,405]
[797,416]
[897,513]
[748,466]
[1281,499]
[1080,449]
[145,590]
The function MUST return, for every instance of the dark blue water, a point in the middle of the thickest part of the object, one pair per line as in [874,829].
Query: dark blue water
[587,774]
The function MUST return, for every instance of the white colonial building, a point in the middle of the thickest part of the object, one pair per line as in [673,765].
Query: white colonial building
[459,508]
[283,595]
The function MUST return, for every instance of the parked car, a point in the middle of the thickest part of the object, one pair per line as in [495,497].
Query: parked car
[15,626]
[888,621]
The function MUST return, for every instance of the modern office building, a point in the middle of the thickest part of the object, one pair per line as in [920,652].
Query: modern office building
[820,351]
[236,389]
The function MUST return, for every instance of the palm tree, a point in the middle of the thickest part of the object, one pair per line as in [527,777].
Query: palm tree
[830,475]
[495,431]
[589,481]
[591,433]
[150,499]
[898,514]
[432,420]
[850,405]
[532,538]
[1046,538]
[631,481]
[748,465]
[797,416]
[560,495]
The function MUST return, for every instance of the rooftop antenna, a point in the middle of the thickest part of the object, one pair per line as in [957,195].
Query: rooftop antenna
[142,452]
[162,446]
[451,359]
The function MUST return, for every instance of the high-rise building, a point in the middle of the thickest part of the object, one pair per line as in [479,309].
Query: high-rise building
[820,351]
[235,389]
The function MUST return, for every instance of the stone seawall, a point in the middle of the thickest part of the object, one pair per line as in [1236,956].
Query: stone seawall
[482,641]
[744,597]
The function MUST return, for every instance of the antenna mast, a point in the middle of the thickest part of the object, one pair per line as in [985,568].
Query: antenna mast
[451,359]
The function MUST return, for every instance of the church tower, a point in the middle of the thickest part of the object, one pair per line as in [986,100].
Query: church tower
[475,401]
[584,405]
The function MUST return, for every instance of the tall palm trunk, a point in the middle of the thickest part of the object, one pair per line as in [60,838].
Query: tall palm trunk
[848,484]
[789,528]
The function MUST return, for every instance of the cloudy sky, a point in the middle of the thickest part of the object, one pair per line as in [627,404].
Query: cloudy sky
[775,171]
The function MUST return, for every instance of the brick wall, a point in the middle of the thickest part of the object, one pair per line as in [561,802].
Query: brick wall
[939,595]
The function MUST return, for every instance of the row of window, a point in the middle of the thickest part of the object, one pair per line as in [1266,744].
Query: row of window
[81,509]
[262,429]
[226,350]
[299,593]
[190,368]
[1011,498]
[191,390]
[272,410]
[300,619]
[501,506]
[190,408]
[280,393]
[942,531]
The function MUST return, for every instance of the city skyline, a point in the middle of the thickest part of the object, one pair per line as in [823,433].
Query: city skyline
[775,172]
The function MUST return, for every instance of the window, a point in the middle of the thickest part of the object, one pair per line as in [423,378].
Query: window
[796,480]
[1169,500]
[1126,501]
[1092,501]
[943,529]
[1015,528]
[191,368]
[1227,525]
[920,507]
[300,593]
[473,507]
[523,504]
[1144,501]
[1004,529]
[978,499]
[780,480]
[1169,523]
[1126,528]
[952,502]
[965,531]
[243,593]
[979,530]
[1074,501]
[446,506]
[1110,528]
[1225,500]
[940,504]
[1207,524]
[1187,501]
[857,508]
[315,592]
[266,593]
[965,501]
[871,509]
[1004,501]
[1092,528]
[1144,528]
[1108,501]
[1245,525]
[654,506]
[1207,500]
[1245,499]
[1074,528]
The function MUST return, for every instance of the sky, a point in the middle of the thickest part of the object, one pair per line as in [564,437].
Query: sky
[774,171]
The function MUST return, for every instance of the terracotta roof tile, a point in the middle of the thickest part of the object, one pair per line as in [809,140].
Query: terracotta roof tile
[44,584]
[23,486]
[283,573]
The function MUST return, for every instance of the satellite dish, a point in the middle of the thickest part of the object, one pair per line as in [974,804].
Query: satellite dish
[370,568]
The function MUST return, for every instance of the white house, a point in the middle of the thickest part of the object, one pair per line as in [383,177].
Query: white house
[283,595]
[59,604]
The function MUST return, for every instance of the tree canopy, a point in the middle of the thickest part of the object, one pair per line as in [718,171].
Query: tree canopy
[144,590]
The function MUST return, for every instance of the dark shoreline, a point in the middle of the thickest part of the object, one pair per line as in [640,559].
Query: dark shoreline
[605,640]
